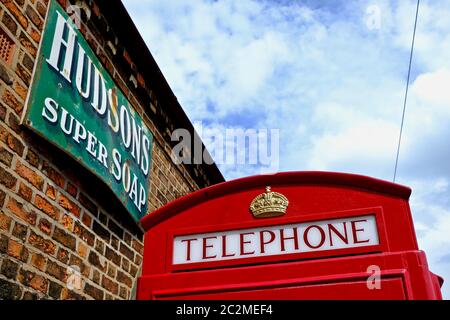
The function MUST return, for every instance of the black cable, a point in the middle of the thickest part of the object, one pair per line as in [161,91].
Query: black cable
[407,90]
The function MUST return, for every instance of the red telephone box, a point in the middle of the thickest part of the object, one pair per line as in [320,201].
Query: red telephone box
[299,235]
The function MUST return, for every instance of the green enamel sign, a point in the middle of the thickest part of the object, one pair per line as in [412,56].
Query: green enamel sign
[75,104]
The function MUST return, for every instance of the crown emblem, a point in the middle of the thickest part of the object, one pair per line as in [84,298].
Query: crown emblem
[269,204]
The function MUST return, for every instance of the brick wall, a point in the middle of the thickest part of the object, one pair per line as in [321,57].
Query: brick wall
[56,219]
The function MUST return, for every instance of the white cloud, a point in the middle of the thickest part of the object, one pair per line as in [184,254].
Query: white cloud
[434,88]
[331,85]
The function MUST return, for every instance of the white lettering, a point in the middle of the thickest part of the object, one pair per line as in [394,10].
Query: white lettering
[80,76]
[51,106]
[99,102]
[277,240]
[58,43]
[125,125]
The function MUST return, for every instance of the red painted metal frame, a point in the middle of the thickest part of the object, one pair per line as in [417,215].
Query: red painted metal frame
[377,212]
[409,267]
[400,274]
[284,178]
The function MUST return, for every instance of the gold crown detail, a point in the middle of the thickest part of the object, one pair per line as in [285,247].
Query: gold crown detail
[269,204]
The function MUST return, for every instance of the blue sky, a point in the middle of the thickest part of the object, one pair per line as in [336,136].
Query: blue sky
[330,75]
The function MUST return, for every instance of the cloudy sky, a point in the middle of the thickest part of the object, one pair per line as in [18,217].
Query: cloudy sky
[330,75]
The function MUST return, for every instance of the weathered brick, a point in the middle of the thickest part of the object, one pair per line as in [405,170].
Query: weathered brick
[100,246]
[96,276]
[23,74]
[33,15]
[45,226]
[76,261]
[111,255]
[72,189]
[33,280]
[125,264]
[133,270]
[123,292]
[46,207]
[14,123]
[87,203]
[30,176]
[67,294]
[115,243]
[38,261]
[50,192]
[69,205]
[28,295]
[2,108]
[9,290]
[41,8]
[27,62]
[140,79]
[25,192]
[82,250]
[5,222]
[127,238]
[9,269]
[127,252]
[17,250]
[15,144]
[57,271]
[101,231]
[15,11]
[67,222]
[7,179]
[18,209]
[115,228]
[123,278]
[138,260]
[9,22]
[3,243]
[2,198]
[94,259]
[138,246]
[42,244]
[94,292]
[110,285]
[21,91]
[6,77]
[54,290]
[84,234]
[63,255]
[54,175]
[28,45]
[35,35]
[20,231]
[109,297]
[112,271]
[32,158]
[64,238]
[87,219]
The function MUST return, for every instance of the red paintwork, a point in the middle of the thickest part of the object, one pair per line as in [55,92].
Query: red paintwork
[339,274]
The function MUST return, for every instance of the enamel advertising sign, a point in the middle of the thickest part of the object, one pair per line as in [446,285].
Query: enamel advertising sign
[75,104]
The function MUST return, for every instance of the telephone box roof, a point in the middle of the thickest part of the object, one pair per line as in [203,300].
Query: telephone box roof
[286,178]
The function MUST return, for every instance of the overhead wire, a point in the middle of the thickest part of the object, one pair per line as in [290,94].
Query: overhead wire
[407,91]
